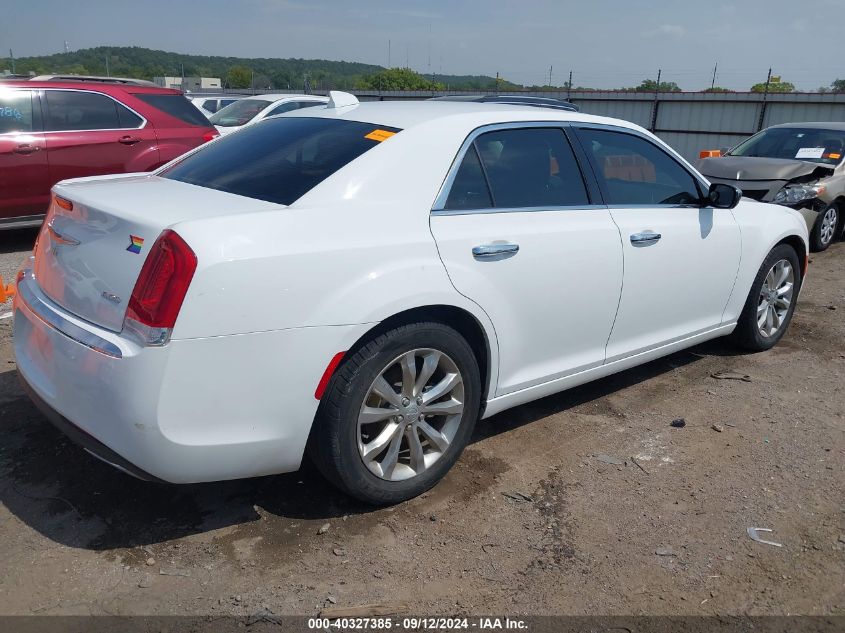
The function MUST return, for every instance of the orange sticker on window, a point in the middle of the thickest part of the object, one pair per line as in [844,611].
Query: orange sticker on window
[833,156]
[379,135]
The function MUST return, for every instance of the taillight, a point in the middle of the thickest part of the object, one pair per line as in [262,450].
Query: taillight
[209,136]
[161,289]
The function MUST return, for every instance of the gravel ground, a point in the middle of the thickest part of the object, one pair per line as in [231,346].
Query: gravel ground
[587,502]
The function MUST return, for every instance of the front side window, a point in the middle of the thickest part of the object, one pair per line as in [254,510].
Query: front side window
[239,113]
[518,168]
[282,108]
[278,160]
[633,171]
[15,111]
[69,110]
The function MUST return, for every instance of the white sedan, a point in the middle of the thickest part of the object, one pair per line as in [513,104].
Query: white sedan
[364,281]
[254,109]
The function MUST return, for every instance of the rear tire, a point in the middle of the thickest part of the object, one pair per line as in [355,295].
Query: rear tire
[771,301]
[414,381]
[825,229]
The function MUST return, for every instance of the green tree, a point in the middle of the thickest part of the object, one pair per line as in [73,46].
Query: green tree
[717,89]
[239,77]
[837,85]
[650,85]
[775,85]
[398,79]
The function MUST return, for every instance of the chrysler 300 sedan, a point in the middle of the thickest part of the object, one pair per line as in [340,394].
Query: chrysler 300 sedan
[362,282]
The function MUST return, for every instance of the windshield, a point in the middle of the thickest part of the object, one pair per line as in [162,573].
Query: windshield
[810,144]
[238,113]
[279,159]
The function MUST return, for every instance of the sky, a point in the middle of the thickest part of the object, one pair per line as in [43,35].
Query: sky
[605,43]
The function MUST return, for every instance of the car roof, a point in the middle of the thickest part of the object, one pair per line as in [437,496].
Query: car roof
[101,86]
[406,114]
[279,97]
[839,126]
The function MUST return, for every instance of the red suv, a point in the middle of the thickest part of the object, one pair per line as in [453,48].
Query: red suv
[53,130]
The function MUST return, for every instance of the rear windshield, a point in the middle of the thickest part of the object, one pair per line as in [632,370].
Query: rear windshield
[810,144]
[176,106]
[279,159]
[239,113]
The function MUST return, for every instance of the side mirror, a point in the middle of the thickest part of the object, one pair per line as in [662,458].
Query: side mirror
[722,196]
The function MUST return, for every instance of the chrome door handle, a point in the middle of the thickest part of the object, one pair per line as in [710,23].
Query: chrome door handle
[486,251]
[646,237]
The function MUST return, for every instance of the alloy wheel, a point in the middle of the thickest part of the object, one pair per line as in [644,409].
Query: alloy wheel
[410,414]
[775,298]
[828,227]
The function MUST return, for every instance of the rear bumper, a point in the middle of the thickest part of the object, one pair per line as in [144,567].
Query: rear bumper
[193,410]
[83,439]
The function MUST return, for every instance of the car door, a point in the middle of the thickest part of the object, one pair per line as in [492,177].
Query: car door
[522,234]
[24,180]
[681,256]
[89,134]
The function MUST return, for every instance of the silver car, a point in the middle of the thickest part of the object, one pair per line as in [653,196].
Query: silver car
[799,165]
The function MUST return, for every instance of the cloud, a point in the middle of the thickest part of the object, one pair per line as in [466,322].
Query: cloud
[670,30]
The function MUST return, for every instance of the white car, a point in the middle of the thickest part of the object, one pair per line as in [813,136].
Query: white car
[254,109]
[364,281]
[209,104]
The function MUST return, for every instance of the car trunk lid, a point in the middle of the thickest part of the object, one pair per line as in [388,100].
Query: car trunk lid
[89,255]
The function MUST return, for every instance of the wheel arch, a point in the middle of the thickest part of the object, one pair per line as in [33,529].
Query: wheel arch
[462,320]
[800,248]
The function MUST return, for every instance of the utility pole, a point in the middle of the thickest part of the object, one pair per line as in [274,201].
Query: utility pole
[656,103]
[407,55]
[762,117]
[66,46]
[569,87]
[550,76]
[12,55]
[713,83]
[388,53]
[107,66]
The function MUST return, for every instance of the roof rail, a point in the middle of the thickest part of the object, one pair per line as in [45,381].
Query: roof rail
[94,78]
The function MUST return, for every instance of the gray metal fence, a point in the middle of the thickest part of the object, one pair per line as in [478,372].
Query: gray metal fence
[688,121]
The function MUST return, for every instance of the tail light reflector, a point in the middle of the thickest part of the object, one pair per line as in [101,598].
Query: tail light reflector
[160,289]
[710,153]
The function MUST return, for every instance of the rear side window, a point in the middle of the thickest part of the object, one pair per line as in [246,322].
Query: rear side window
[176,106]
[523,168]
[469,189]
[69,110]
[278,160]
[15,111]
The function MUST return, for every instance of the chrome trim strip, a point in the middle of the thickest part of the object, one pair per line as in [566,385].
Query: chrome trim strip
[44,109]
[22,222]
[579,207]
[52,319]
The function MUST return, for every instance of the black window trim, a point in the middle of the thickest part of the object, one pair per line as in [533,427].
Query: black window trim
[590,183]
[702,186]
[102,94]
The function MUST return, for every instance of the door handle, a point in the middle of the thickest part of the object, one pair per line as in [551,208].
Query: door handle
[129,140]
[26,148]
[645,238]
[486,251]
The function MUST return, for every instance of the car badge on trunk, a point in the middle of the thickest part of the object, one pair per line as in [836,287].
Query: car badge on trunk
[110,296]
[135,244]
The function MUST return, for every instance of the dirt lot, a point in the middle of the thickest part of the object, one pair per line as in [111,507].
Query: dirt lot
[533,519]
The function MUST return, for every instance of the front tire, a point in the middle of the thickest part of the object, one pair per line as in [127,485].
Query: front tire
[825,229]
[771,301]
[397,413]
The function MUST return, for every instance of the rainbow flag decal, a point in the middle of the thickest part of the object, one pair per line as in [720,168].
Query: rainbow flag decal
[135,244]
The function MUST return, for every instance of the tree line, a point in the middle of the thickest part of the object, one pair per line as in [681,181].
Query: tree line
[306,74]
